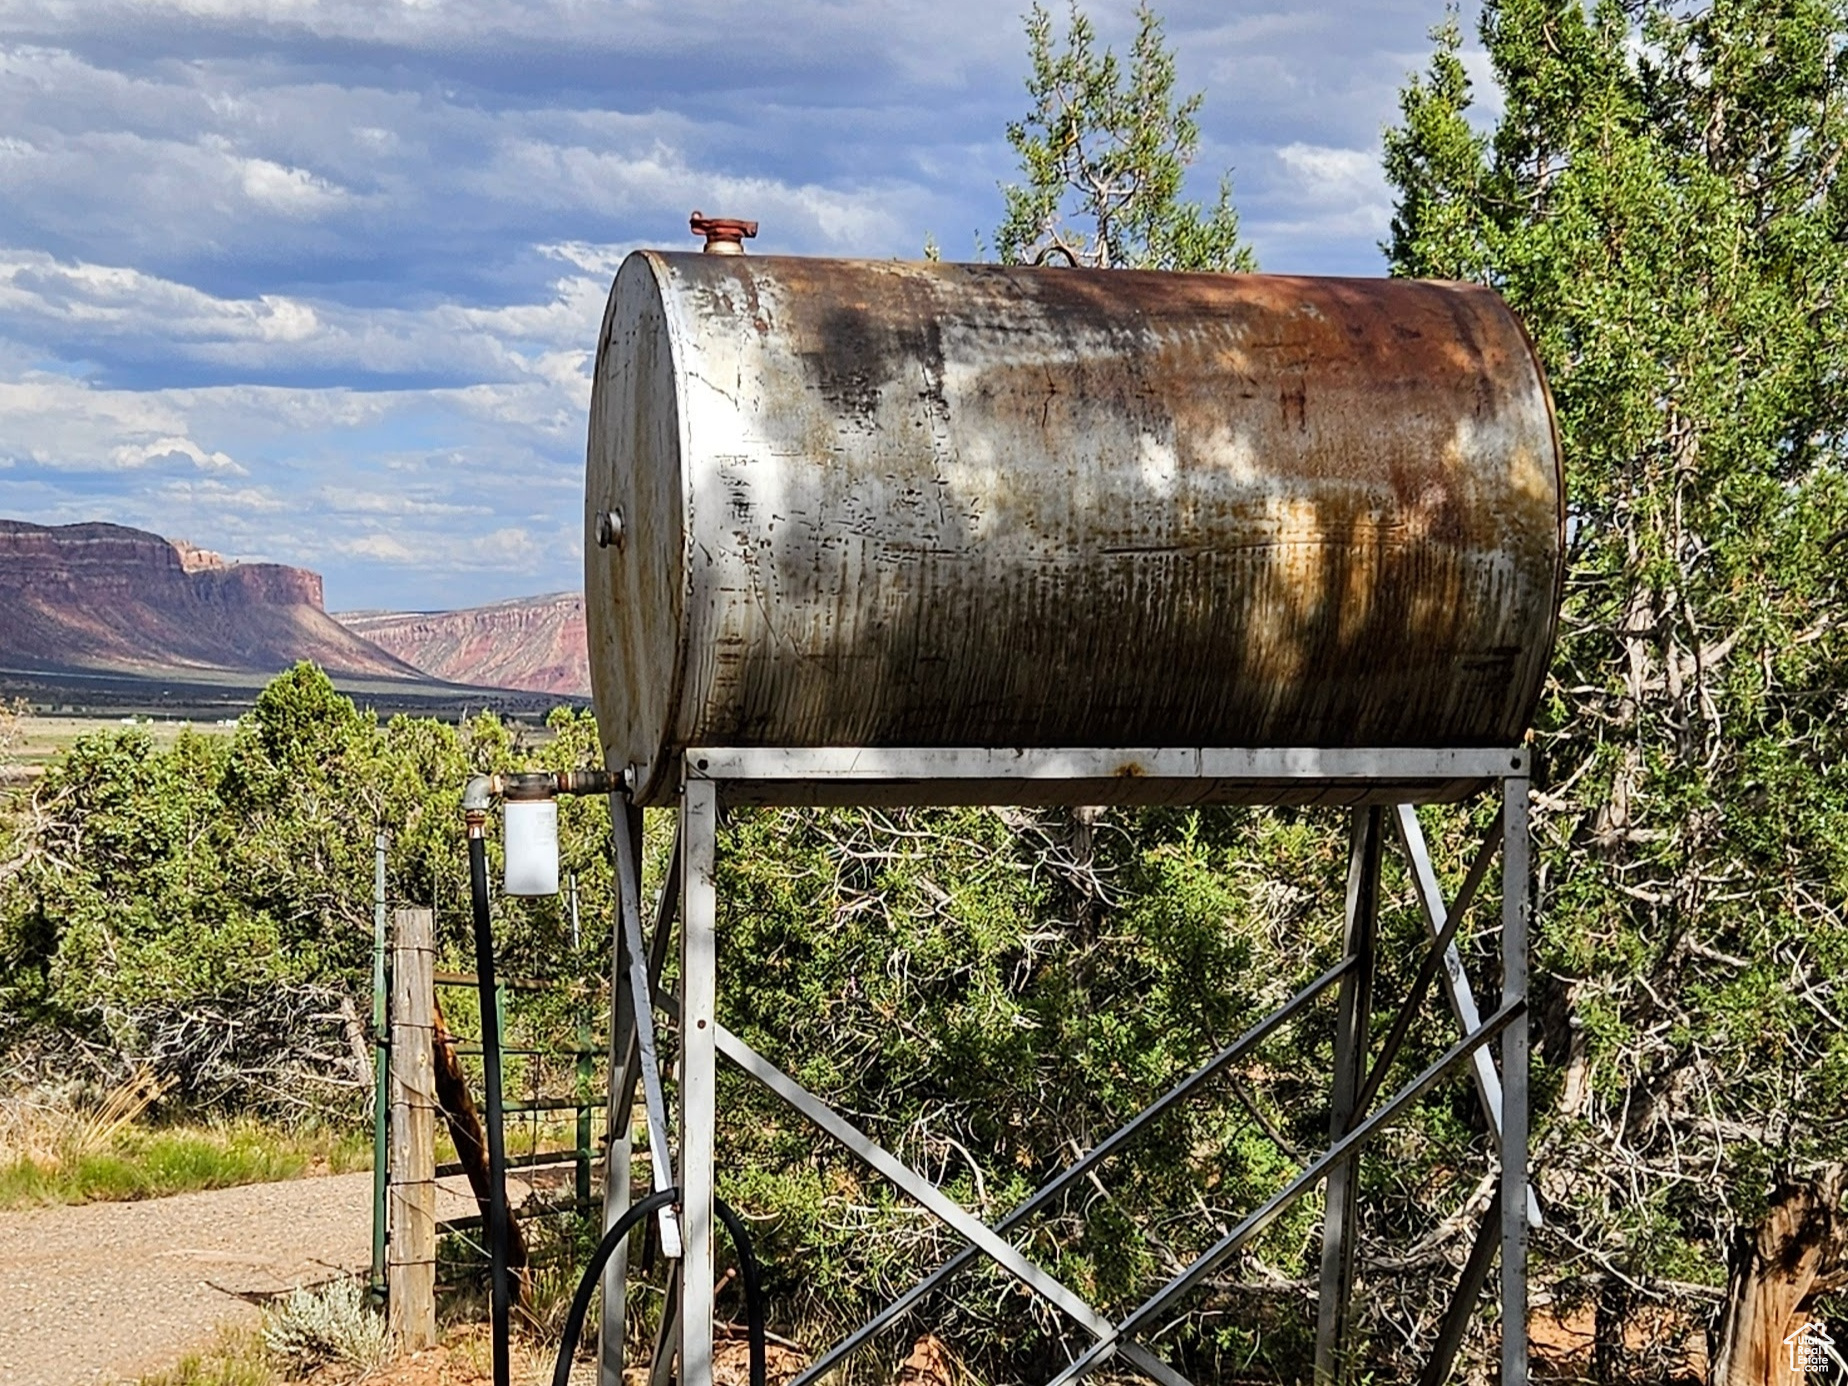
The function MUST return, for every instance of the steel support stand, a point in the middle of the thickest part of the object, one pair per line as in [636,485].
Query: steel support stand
[618,1142]
[1353,1016]
[698,1077]
[1377,781]
[632,1061]
[1075,1171]
[1514,1190]
[1146,1316]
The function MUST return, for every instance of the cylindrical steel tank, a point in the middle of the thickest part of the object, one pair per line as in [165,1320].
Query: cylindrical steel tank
[870,503]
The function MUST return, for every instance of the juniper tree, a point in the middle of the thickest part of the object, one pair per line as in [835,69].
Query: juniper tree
[1660,198]
[1105,152]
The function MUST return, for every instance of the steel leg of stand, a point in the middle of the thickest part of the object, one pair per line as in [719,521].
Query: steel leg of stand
[1514,1191]
[667,1334]
[1353,1012]
[1438,918]
[1462,1304]
[1456,984]
[698,1079]
[618,1144]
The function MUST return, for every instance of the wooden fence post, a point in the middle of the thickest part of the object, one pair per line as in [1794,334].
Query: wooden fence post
[411,1252]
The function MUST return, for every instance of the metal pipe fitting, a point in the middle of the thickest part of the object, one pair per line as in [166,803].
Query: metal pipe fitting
[524,786]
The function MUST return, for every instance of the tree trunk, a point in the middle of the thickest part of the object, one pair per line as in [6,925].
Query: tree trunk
[1776,1272]
[464,1123]
[1612,1317]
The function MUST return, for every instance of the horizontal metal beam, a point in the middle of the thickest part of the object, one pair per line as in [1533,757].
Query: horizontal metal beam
[552,1104]
[1227,1246]
[881,764]
[1080,1167]
[545,1159]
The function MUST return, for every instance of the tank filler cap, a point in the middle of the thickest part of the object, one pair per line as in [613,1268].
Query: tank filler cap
[724,235]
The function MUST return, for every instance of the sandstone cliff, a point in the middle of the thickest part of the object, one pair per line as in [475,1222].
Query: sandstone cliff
[105,597]
[533,643]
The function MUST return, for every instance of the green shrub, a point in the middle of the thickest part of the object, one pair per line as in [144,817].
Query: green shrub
[332,1323]
[238,1358]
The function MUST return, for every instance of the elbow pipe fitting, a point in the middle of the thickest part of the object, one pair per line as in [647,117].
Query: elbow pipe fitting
[482,790]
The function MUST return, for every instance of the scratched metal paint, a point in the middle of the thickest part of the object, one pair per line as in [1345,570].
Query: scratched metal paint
[876,503]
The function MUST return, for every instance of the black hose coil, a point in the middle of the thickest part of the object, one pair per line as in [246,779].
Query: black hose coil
[619,1230]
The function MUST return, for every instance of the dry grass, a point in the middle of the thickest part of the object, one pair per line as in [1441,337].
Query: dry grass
[237,1358]
[12,723]
[29,742]
[49,1131]
[57,1150]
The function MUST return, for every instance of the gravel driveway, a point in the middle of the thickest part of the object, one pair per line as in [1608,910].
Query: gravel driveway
[104,1292]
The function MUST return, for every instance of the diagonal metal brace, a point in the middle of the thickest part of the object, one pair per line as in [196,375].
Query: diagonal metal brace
[953,1214]
[1098,1153]
[660,1161]
[1441,924]
[970,1227]
[1456,984]
[1188,1280]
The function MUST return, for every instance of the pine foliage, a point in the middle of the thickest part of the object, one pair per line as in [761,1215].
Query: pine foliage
[1104,153]
[1660,197]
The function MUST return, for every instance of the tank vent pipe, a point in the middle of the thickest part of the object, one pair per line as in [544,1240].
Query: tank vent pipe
[724,235]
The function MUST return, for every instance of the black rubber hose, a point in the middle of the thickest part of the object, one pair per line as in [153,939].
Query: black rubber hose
[620,1229]
[500,1297]
[756,1332]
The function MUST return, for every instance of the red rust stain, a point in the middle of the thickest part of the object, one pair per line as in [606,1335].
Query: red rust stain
[1053,506]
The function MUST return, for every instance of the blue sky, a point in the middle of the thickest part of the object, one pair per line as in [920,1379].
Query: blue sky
[315,281]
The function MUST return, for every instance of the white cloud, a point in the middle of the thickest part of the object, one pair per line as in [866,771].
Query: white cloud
[310,203]
[81,304]
[351,502]
[385,547]
[662,179]
[1329,189]
[57,423]
[215,496]
[1331,172]
[291,191]
[140,454]
[511,549]
[600,260]
[117,299]
[928,39]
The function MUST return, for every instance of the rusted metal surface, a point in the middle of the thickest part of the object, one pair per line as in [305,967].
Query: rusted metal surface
[891,504]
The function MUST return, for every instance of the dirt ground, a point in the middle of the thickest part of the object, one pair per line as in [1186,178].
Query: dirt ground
[463,1360]
[105,1292]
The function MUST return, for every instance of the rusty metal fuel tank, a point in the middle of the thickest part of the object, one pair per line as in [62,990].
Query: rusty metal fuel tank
[871,503]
